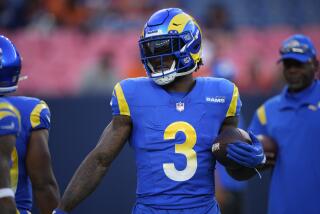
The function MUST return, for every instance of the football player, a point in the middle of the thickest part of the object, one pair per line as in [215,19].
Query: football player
[9,128]
[292,120]
[31,171]
[170,119]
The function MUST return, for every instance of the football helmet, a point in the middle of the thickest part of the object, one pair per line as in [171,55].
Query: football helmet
[10,66]
[170,45]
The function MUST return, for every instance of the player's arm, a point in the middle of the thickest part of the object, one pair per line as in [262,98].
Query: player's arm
[229,122]
[245,172]
[7,203]
[38,162]
[97,162]
[242,173]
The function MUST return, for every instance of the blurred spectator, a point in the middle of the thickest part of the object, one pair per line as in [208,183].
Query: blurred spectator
[70,13]
[254,69]
[217,18]
[100,78]
[224,68]
[13,13]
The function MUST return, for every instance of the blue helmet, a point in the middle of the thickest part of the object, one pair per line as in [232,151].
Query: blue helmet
[170,45]
[10,66]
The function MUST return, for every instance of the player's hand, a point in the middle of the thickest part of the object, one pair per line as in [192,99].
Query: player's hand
[246,154]
[58,211]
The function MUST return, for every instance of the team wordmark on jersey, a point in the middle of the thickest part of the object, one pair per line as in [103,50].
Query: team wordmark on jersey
[216,99]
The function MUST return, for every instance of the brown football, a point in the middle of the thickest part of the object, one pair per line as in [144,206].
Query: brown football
[219,147]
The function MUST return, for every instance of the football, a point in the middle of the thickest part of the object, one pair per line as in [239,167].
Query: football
[219,147]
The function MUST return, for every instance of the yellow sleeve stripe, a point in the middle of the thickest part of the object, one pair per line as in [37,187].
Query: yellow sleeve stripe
[4,114]
[8,107]
[233,104]
[35,114]
[123,105]
[261,112]
[14,171]
[179,22]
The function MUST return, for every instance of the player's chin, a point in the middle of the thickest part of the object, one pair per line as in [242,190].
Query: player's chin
[296,85]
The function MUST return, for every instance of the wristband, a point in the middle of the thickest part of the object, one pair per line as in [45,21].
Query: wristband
[6,192]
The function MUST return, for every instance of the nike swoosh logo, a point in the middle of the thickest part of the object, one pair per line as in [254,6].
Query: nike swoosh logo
[175,24]
[260,155]
[9,127]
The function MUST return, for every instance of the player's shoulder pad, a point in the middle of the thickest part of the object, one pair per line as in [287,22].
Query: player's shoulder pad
[220,85]
[39,113]
[225,92]
[131,88]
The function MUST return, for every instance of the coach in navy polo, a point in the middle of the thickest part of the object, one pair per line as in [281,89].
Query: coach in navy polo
[292,120]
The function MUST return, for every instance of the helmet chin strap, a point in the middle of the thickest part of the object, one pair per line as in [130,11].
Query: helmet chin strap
[187,72]
[164,80]
[168,76]
[5,90]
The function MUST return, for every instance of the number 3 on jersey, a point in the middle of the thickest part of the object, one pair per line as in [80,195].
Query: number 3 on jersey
[185,148]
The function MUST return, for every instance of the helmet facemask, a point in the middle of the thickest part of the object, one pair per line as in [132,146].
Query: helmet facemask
[165,57]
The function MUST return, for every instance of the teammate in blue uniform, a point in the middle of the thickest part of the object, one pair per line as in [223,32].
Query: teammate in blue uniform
[170,120]
[31,170]
[292,120]
[9,129]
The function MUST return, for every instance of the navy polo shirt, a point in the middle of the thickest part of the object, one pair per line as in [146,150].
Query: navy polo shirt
[293,121]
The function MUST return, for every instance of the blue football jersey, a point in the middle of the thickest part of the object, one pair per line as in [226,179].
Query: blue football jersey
[172,136]
[9,118]
[34,114]
[293,121]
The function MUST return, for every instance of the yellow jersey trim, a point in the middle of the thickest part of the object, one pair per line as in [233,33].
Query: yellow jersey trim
[10,108]
[123,105]
[35,114]
[4,114]
[234,102]
[14,171]
[261,112]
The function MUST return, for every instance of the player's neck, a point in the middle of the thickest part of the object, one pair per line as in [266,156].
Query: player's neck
[181,84]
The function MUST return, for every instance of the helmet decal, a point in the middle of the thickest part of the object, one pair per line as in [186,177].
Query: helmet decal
[179,22]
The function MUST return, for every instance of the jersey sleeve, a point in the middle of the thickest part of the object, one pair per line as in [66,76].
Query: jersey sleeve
[118,102]
[40,116]
[9,119]
[235,104]
[258,123]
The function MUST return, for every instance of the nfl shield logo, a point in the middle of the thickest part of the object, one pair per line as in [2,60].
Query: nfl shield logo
[180,106]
